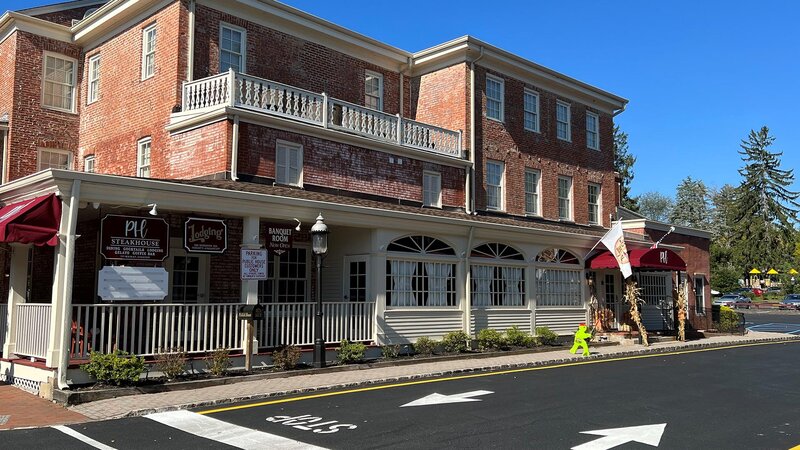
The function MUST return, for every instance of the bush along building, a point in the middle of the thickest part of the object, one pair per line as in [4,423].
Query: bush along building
[163,162]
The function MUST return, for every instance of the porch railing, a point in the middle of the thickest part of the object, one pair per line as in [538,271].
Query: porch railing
[238,90]
[148,330]
[3,324]
[33,329]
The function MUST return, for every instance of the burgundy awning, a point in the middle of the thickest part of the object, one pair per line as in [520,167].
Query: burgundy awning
[33,221]
[641,258]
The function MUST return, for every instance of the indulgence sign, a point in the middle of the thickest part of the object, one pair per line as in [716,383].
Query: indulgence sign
[205,235]
[134,238]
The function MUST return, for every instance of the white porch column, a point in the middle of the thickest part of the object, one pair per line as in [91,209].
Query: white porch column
[17,284]
[377,274]
[250,239]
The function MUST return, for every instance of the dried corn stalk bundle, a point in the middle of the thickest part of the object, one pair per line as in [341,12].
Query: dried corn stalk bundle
[593,306]
[633,298]
[682,306]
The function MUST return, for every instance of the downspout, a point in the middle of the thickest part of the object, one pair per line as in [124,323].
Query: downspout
[235,149]
[470,184]
[620,111]
[468,287]
[69,260]
[190,56]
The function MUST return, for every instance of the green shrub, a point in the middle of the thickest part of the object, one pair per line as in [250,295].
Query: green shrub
[172,363]
[455,342]
[545,336]
[425,346]
[116,368]
[220,362]
[390,351]
[518,338]
[728,320]
[286,357]
[351,352]
[489,339]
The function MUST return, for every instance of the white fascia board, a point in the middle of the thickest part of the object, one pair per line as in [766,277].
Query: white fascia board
[661,226]
[11,22]
[114,18]
[47,9]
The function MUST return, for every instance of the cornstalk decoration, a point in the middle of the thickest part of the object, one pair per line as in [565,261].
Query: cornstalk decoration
[594,310]
[682,306]
[633,298]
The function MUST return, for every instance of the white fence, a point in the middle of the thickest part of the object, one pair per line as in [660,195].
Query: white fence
[269,97]
[3,324]
[151,329]
[33,329]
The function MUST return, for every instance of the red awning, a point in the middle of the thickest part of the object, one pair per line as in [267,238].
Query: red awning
[33,221]
[642,258]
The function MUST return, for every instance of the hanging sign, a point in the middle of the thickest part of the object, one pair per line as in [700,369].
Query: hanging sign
[254,264]
[205,235]
[134,238]
[120,283]
[279,237]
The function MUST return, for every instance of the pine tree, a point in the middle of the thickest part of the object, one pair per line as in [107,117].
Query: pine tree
[655,206]
[623,164]
[691,205]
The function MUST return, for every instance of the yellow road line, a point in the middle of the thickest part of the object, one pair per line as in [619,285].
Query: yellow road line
[484,374]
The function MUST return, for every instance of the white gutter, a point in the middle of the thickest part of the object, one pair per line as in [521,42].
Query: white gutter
[190,56]
[470,182]
[235,149]
[69,269]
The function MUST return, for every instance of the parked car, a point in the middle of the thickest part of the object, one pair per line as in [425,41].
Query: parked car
[733,301]
[791,301]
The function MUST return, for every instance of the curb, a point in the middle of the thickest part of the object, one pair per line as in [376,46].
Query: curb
[552,362]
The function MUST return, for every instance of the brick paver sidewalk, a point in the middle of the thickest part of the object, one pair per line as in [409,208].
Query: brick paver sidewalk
[20,409]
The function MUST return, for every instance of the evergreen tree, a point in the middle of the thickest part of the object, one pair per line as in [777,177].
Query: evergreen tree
[655,206]
[623,164]
[691,205]
[766,210]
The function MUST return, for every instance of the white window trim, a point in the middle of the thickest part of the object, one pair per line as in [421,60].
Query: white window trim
[74,81]
[537,127]
[379,77]
[145,31]
[501,206]
[569,120]
[570,198]
[501,99]
[599,204]
[538,173]
[139,147]
[86,163]
[596,132]
[89,97]
[223,25]
[53,150]
[438,177]
[295,146]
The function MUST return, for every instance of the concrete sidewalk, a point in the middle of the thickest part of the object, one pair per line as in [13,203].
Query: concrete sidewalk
[360,375]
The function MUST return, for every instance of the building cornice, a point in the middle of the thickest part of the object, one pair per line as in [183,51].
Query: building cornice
[113,18]
[661,226]
[65,6]
[11,22]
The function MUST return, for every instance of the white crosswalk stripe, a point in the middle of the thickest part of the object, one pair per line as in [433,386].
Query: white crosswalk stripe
[224,432]
[82,437]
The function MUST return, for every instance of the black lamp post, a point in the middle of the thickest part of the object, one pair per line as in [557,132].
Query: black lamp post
[319,245]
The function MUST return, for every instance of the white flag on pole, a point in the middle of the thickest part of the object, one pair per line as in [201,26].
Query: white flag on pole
[614,240]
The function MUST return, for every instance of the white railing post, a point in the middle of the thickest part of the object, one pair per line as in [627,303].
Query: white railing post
[184,97]
[231,88]
[461,151]
[399,129]
[324,110]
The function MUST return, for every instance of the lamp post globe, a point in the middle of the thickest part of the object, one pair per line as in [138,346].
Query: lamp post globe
[319,245]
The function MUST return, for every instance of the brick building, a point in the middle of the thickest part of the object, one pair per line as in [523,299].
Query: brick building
[463,185]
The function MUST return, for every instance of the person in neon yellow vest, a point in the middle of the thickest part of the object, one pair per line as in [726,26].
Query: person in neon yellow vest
[581,340]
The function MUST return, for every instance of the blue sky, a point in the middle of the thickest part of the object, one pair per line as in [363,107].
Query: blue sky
[699,74]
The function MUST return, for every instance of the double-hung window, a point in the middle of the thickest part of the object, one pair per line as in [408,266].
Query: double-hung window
[532,178]
[58,82]
[373,90]
[563,121]
[432,189]
[143,158]
[700,294]
[494,98]
[592,131]
[50,158]
[89,164]
[148,52]
[594,203]
[93,92]
[288,277]
[232,48]
[531,110]
[565,198]
[494,185]
[289,163]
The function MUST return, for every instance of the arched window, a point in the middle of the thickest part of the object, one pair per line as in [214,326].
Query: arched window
[558,279]
[422,273]
[498,278]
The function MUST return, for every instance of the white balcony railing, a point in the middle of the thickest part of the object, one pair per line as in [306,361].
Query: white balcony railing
[151,329]
[33,329]
[237,90]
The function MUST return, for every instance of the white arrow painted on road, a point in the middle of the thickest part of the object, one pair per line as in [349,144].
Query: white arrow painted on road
[612,437]
[438,399]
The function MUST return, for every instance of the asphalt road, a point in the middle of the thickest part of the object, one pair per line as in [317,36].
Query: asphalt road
[741,397]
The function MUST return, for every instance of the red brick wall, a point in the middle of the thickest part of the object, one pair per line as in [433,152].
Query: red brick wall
[441,98]
[33,126]
[519,148]
[340,166]
[7,73]
[287,59]
[130,108]
[66,17]
[198,152]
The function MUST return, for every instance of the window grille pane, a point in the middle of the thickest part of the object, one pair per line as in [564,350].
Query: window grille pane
[558,287]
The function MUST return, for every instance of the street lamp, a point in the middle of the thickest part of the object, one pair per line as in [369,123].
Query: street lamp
[319,245]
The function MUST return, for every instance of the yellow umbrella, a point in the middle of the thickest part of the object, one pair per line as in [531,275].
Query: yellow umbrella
[755,271]
[772,272]
[792,272]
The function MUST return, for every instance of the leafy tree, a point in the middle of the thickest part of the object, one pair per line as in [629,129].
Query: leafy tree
[766,210]
[623,164]
[655,206]
[725,279]
[723,201]
[691,204]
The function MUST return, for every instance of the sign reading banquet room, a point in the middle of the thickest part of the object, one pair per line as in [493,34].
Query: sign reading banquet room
[205,235]
[134,238]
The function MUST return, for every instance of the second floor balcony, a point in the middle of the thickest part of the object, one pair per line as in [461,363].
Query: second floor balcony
[238,90]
